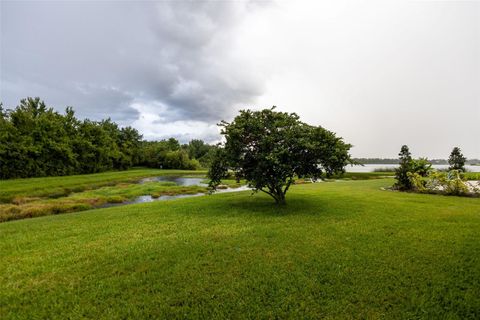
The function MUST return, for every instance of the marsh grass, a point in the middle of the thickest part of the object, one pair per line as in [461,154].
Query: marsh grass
[57,187]
[25,207]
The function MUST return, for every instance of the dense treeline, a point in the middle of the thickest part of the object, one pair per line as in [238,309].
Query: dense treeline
[38,141]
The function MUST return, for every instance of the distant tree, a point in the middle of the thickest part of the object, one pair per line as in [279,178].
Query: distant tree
[179,159]
[207,158]
[457,160]
[166,154]
[129,142]
[172,144]
[197,148]
[401,173]
[270,149]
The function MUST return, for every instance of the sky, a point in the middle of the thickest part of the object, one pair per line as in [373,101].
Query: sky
[378,73]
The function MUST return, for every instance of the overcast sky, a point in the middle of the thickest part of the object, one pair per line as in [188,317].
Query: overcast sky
[379,73]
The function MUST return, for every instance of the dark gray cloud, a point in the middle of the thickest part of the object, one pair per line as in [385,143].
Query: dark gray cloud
[380,74]
[101,57]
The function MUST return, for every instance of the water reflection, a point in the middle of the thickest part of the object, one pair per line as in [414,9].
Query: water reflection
[148,198]
[181,181]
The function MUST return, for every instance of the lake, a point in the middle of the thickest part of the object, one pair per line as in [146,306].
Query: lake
[372,167]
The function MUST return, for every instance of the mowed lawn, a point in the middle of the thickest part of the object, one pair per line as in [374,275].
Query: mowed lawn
[337,250]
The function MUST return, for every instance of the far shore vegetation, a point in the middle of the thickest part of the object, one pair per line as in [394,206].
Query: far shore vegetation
[470,162]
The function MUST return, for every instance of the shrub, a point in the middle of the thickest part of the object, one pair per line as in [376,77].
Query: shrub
[450,183]
[417,182]
[421,166]
[455,183]
[410,172]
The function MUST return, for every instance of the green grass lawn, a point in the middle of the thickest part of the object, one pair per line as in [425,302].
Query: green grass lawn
[337,250]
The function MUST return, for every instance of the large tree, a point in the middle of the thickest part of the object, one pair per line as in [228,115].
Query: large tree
[269,149]
[457,160]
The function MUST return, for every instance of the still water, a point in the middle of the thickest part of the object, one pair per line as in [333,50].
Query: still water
[372,167]
[148,198]
[181,181]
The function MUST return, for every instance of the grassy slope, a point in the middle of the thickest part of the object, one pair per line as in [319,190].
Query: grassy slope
[61,186]
[343,249]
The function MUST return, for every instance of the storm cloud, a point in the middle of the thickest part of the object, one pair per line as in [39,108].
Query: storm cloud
[146,63]
[379,73]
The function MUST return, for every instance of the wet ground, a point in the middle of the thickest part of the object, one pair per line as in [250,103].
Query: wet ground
[181,181]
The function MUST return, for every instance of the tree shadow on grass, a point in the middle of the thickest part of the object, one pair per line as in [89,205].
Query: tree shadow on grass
[297,204]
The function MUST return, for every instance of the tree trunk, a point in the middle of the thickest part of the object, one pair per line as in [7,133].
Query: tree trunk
[276,194]
[280,199]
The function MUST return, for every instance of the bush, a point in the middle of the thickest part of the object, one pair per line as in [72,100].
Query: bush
[455,184]
[410,172]
[417,182]
[450,183]
[421,167]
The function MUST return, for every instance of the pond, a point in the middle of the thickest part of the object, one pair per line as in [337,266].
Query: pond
[181,181]
[148,198]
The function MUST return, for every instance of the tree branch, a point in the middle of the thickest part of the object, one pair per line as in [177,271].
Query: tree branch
[269,193]
[289,183]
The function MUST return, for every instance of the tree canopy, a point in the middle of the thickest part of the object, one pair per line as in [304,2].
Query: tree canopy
[270,149]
